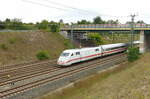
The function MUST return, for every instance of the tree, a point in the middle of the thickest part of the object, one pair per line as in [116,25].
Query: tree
[98,20]
[61,21]
[96,38]
[112,22]
[128,22]
[15,24]
[43,24]
[2,25]
[140,22]
[54,28]
[7,23]
[83,22]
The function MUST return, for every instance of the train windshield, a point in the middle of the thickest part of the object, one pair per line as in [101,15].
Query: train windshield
[64,54]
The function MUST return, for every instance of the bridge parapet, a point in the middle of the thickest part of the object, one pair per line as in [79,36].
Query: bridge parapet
[106,27]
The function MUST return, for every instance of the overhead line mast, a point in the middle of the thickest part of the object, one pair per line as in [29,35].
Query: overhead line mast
[132,28]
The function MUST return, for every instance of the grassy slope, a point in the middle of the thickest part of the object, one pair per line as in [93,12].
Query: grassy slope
[132,81]
[24,46]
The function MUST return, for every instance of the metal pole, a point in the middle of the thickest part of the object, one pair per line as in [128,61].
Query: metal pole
[80,40]
[112,37]
[72,33]
[132,29]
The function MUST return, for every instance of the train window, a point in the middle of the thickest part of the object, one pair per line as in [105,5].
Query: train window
[77,53]
[108,49]
[96,49]
[64,54]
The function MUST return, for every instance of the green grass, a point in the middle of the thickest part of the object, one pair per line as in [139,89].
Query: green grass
[16,47]
[43,55]
[4,47]
[12,40]
[130,81]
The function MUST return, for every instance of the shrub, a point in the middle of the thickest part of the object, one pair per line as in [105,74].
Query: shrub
[96,38]
[54,28]
[133,54]
[42,55]
[4,46]
[68,44]
[12,40]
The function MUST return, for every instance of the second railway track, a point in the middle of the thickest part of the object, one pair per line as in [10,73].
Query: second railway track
[23,65]
[69,71]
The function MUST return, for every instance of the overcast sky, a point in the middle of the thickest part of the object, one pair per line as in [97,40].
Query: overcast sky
[73,10]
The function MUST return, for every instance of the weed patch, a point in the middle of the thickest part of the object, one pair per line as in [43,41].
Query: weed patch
[42,55]
[4,46]
[12,40]
[133,54]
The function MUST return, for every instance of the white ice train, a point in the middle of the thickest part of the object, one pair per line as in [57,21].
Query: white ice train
[72,56]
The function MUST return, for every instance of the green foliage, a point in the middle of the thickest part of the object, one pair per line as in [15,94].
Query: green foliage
[54,28]
[140,22]
[96,38]
[2,25]
[12,40]
[4,46]
[15,24]
[83,22]
[112,22]
[133,54]
[68,44]
[43,25]
[98,20]
[42,55]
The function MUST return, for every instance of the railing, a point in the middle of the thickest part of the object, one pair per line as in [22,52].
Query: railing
[107,26]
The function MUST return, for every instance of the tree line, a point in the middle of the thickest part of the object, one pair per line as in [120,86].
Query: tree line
[17,24]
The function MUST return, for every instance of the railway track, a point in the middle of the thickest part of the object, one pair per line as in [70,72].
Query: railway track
[69,72]
[6,68]
[25,69]
[29,74]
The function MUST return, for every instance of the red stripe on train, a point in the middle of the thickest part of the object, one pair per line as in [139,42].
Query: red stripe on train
[120,49]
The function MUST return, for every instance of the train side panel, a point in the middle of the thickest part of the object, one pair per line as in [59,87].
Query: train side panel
[114,48]
[83,54]
[91,53]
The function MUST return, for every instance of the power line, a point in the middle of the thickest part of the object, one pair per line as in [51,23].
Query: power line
[69,7]
[74,8]
[66,6]
[36,3]
[58,8]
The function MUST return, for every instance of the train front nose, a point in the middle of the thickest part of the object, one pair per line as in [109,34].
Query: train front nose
[61,61]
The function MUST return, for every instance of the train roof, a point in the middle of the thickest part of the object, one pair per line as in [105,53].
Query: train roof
[80,49]
[113,45]
[136,42]
[103,46]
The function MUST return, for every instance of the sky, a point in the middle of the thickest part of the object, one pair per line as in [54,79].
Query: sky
[74,10]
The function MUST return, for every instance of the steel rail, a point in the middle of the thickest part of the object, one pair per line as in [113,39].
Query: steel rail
[54,77]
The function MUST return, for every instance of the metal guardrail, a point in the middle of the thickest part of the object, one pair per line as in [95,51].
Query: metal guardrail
[18,30]
[106,26]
